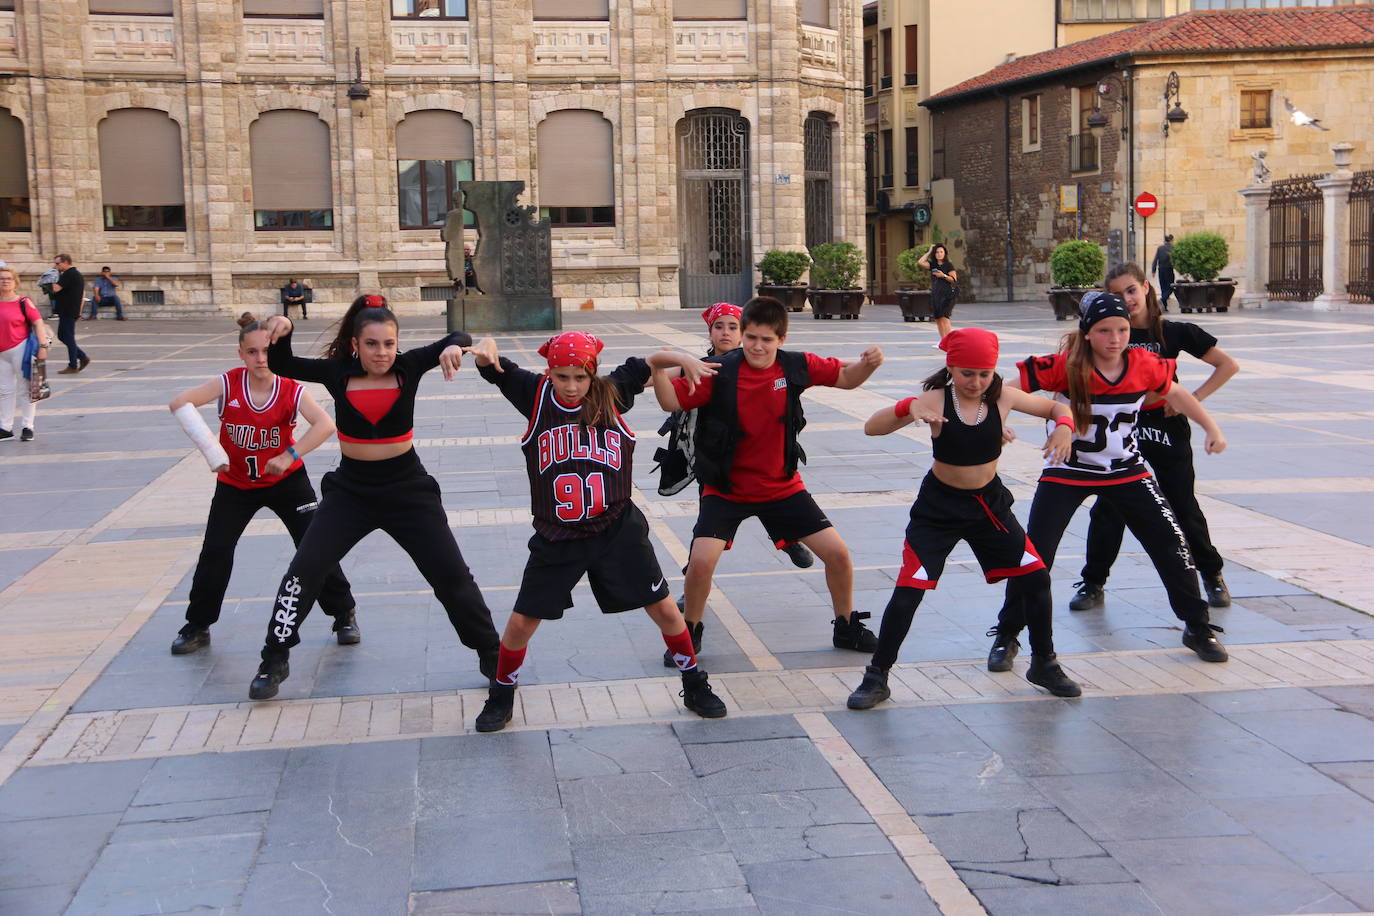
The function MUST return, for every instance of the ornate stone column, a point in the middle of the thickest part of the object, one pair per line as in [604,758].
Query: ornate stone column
[1256,246]
[1335,230]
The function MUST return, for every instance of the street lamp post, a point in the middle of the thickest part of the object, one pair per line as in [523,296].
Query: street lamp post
[1172,116]
[1116,90]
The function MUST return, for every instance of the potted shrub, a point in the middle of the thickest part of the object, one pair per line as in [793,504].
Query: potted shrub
[1075,268]
[1200,257]
[913,297]
[835,270]
[780,272]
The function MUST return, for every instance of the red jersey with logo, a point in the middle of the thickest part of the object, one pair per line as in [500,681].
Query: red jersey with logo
[756,474]
[253,434]
[1108,453]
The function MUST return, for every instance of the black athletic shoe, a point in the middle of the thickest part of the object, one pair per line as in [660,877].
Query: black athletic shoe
[499,708]
[872,690]
[1199,638]
[6,434]
[698,696]
[850,633]
[1045,672]
[1218,595]
[190,639]
[693,628]
[1089,596]
[1004,649]
[270,674]
[346,628]
[27,436]
[800,556]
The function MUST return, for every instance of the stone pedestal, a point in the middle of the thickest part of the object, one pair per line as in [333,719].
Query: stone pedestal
[1256,246]
[1335,231]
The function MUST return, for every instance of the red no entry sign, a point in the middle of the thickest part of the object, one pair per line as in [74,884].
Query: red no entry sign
[1146,204]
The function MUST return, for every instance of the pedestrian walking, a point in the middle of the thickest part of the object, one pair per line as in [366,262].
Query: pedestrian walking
[23,336]
[258,465]
[105,294]
[579,454]
[69,290]
[380,482]
[1163,267]
[1104,385]
[962,498]
[944,286]
[1163,435]
[747,455]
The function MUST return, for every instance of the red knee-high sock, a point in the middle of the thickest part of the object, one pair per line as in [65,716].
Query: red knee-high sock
[681,647]
[508,663]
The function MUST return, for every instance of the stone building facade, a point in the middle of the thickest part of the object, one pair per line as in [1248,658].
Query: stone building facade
[1018,148]
[669,141]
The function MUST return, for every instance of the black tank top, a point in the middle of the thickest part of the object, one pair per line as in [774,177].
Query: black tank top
[963,445]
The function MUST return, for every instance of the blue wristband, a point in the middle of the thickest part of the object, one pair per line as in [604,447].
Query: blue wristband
[291,450]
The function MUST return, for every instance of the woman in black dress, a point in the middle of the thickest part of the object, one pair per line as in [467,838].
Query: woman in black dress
[944,279]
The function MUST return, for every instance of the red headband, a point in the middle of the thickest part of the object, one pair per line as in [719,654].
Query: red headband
[572,348]
[720,309]
[374,302]
[970,348]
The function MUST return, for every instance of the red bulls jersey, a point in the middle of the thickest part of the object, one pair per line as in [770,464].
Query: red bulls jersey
[1108,453]
[253,434]
[580,479]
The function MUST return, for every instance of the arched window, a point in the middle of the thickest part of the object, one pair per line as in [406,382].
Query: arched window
[14,174]
[141,181]
[575,169]
[292,187]
[819,166]
[433,154]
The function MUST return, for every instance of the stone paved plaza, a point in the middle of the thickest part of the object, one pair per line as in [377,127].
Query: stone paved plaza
[135,782]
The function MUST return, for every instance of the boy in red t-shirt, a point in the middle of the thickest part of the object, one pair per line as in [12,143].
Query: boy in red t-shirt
[747,456]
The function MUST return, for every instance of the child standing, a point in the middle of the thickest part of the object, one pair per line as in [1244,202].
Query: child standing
[579,454]
[962,498]
[747,456]
[1104,384]
[1163,436]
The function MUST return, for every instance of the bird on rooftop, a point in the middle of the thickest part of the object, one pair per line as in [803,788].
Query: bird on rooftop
[1301,118]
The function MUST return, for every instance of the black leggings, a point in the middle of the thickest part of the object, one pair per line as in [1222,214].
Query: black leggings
[397,496]
[1029,594]
[293,501]
[1165,444]
[1150,519]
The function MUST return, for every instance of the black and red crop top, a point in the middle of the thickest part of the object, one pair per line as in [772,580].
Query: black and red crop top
[371,414]
[963,445]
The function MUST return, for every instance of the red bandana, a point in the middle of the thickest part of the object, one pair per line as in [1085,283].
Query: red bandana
[721,309]
[572,348]
[970,348]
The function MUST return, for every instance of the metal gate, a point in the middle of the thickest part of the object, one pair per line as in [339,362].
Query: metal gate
[1295,239]
[713,208]
[819,166]
[1361,266]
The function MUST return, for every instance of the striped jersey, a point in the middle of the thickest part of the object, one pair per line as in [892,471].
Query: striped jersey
[253,434]
[1107,454]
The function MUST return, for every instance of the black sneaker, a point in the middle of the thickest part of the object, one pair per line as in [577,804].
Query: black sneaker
[499,708]
[190,639]
[693,628]
[800,556]
[27,436]
[1004,649]
[850,633]
[1218,595]
[1089,596]
[1045,672]
[6,434]
[270,674]
[346,628]
[872,691]
[1199,638]
[698,696]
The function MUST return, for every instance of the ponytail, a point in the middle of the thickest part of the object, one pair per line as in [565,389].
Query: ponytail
[365,310]
[1079,370]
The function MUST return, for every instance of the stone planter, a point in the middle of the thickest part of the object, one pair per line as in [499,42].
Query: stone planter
[793,297]
[915,304]
[1205,297]
[1064,299]
[827,303]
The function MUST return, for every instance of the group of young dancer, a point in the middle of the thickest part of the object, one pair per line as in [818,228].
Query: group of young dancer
[743,404]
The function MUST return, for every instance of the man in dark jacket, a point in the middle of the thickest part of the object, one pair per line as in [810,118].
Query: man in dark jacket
[69,290]
[1163,265]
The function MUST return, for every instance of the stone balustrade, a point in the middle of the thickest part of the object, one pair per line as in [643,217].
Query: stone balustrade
[130,39]
[710,42]
[572,43]
[284,41]
[820,47]
[431,43]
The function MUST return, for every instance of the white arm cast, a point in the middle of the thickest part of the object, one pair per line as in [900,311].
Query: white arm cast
[196,430]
